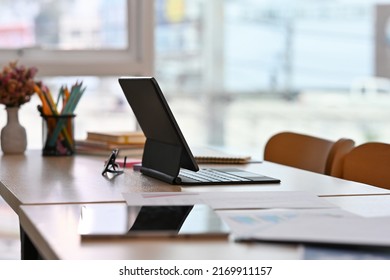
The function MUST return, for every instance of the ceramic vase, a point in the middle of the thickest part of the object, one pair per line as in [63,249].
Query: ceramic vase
[13,134]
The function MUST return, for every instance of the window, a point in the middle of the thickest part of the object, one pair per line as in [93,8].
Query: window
[253,68]
[99,37]
[234,71]
[71,40]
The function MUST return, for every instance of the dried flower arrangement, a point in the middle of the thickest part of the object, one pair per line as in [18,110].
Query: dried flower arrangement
[17,84]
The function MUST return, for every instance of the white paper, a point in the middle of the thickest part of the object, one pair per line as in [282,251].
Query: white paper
[231,200]
[246,223]
[315,227]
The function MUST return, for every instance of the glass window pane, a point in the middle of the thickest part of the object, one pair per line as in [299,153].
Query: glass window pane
[237,71]
[63,25]
[240,71]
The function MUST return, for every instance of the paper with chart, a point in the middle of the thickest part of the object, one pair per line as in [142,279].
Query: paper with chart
[231,200]
[325,226]
[245,223]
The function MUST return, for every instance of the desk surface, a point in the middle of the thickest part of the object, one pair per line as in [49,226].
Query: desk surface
[53,229]
[33,179]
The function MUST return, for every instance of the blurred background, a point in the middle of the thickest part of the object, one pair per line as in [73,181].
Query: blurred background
[234,72]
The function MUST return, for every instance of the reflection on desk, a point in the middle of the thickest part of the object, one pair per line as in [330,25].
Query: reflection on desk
[54,230]
[119,220]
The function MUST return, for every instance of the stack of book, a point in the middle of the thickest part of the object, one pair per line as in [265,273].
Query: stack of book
[129,143]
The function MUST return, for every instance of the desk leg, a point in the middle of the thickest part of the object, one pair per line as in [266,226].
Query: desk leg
[28,250]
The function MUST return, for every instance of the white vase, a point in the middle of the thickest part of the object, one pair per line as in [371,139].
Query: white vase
[13,134]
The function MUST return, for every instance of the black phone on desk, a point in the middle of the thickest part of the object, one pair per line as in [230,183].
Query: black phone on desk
[119,220]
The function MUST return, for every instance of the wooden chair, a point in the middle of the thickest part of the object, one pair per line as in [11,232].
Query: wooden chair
[368,163]
[335,161]
[308,152]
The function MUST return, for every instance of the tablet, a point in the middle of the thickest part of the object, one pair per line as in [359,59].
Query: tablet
[122,221]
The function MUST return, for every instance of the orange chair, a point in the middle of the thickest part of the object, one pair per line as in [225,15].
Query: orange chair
[336,156]
[308,152]
[368,163]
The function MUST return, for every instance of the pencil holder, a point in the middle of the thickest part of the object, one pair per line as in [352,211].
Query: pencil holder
[58,135]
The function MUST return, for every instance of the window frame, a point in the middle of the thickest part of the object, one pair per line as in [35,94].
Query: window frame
[137,59]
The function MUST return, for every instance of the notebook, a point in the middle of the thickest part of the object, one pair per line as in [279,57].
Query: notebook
[167,156]
[208,155]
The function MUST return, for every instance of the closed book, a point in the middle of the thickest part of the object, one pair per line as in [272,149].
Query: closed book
[118,137]
[128,152]
[106,145]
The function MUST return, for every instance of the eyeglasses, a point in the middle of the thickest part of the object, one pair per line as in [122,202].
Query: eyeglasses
[110,166]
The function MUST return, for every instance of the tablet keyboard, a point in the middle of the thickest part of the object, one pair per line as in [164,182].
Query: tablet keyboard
[211,175]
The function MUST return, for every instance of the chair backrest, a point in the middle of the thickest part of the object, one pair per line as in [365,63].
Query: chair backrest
[335,162]
[307,152]
[369,163]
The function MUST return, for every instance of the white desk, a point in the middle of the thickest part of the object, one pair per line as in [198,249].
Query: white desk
[53,229]
[33,179]
[366,206]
